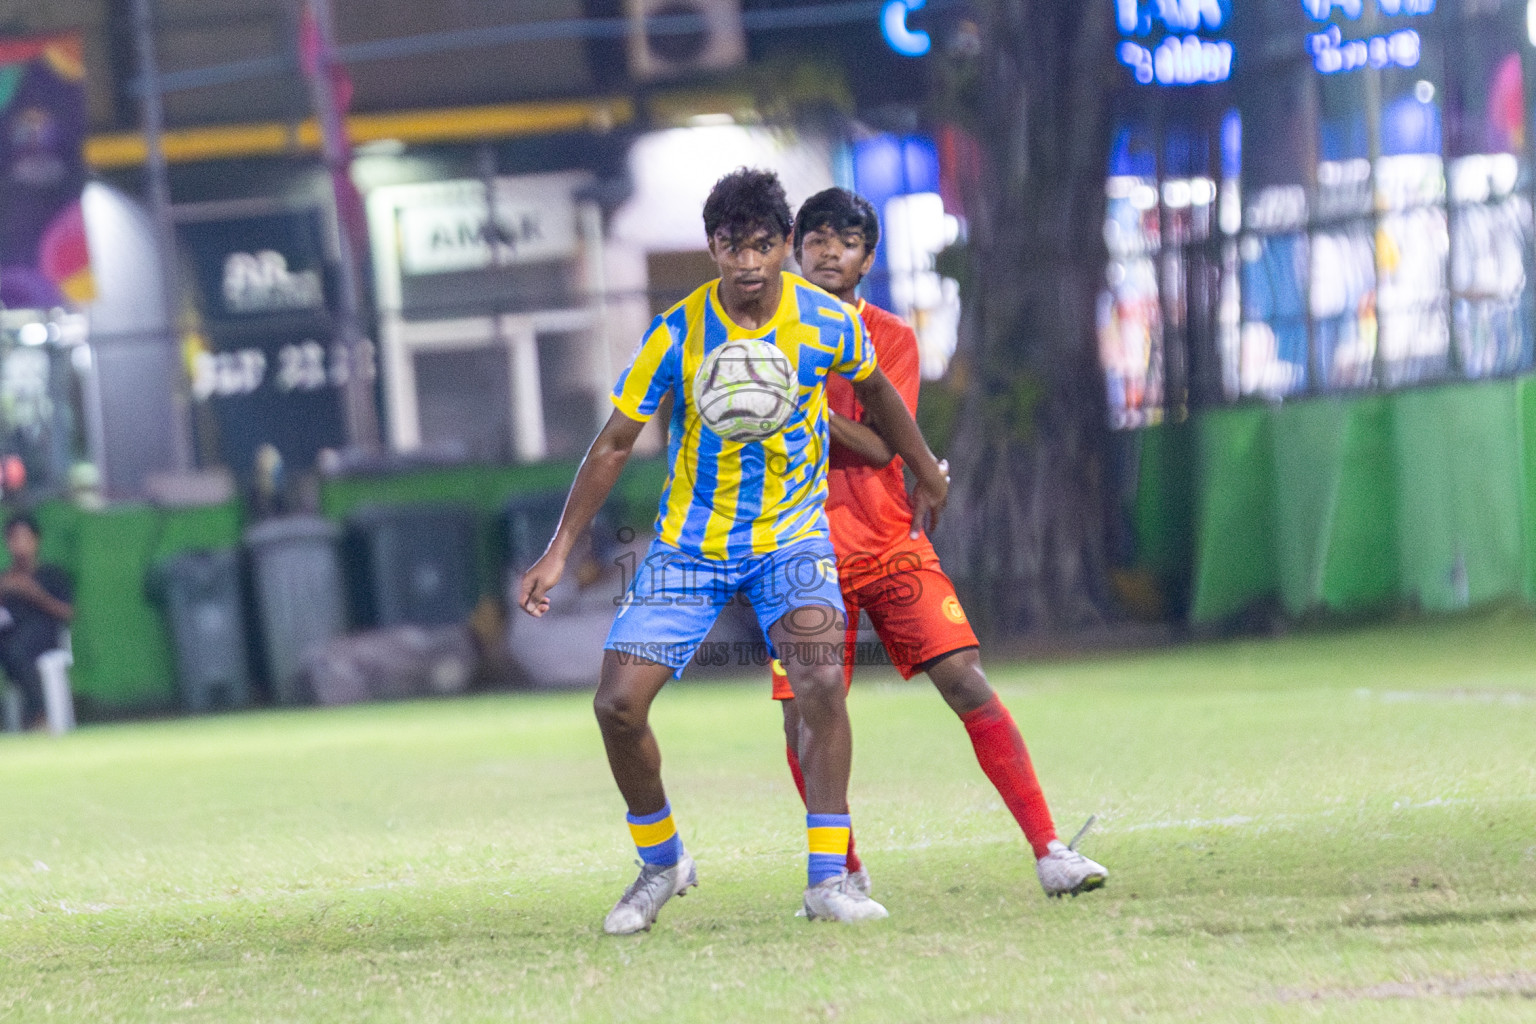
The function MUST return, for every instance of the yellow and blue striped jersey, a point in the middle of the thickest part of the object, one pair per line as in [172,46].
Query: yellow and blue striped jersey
[729,499]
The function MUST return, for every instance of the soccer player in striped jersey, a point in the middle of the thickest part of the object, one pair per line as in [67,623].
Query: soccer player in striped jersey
[735,517]
[889,569]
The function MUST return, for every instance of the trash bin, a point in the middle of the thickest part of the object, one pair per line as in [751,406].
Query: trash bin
[530,521]
[412,564]
[200,592]
[564,648]
[299,596]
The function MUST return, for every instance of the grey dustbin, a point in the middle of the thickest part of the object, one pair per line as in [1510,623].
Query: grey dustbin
[200,592]
[564,648]
[412,564]
[299,595]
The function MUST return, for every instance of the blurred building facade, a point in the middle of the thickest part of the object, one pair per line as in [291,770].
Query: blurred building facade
[530,175]
[1315,197]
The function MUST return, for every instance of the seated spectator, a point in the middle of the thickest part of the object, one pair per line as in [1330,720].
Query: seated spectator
[36,602]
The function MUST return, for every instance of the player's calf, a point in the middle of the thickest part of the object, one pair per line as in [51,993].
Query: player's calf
[825,739]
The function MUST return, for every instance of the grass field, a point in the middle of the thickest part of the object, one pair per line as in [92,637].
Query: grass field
[1336,827]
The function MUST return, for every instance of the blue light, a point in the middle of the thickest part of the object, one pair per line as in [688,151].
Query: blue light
[1231,144]
[1139,59]
[890,165]
[1138,17]
[1187,61]
[1321,9]
[1131,154]
[886,166]
[1409,125]
[893,25]
[1187,15]
[1128,15]
[1331,53]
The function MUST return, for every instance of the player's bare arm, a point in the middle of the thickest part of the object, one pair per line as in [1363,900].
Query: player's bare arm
[16,583]
[863,442]
[877,394]
[594,481]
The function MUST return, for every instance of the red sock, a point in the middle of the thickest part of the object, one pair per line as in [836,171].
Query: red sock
[1001,752]
[793,758]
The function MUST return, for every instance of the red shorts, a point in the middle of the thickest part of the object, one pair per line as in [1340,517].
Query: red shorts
[913,607]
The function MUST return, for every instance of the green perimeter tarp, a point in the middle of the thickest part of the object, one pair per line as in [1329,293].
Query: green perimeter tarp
[1162,511]
[1344,505]
[1334,523]
[122,646]
[1235,558]
[1459,463]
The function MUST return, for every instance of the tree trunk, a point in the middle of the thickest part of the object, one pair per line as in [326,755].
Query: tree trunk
[1028,518]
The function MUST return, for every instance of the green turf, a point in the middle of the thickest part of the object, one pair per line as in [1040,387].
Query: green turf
[1323,828]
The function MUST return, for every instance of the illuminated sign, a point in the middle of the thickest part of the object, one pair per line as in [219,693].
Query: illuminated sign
[1164,42]
[1187,61]
[1332,53]
[260,282]
[1175,15]
[1321,10]
[1169,52]
[893,25]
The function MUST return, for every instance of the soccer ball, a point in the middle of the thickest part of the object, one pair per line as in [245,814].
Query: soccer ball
[745,391]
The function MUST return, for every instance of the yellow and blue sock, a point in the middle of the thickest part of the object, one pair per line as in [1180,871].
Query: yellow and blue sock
[656,837]
[828,838]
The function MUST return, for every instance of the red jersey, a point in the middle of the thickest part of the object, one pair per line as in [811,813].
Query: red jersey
[883,572]
[867,508]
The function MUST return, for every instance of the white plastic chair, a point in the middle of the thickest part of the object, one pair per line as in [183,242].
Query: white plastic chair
[58,699]
[10,705]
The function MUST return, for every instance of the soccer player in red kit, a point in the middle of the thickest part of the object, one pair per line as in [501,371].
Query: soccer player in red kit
[888,567]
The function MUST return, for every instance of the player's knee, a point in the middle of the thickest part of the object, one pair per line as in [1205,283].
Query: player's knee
[970,691]
[618,711]
[818,685]
[960,680]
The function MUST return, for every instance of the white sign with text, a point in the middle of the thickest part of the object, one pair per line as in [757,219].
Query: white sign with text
[453,226]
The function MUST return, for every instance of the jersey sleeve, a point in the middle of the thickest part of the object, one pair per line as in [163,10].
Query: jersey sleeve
[652,372]
[855,355]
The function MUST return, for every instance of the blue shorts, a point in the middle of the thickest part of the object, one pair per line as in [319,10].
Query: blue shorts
[676,597]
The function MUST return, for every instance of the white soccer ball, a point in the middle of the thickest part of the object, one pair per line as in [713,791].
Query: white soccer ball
[745,390]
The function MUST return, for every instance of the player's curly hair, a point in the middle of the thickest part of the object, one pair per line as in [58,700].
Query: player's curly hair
[840,210]
[746,201]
